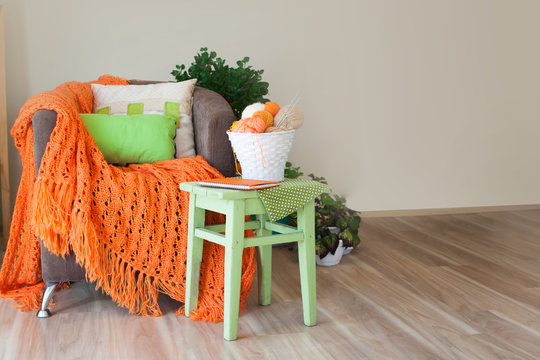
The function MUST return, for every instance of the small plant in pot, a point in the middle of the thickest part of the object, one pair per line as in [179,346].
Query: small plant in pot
[338,218]
[336,226]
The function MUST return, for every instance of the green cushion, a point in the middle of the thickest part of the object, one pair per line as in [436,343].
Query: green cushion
[132,139]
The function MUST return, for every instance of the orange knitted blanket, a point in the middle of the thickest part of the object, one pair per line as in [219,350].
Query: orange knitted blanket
[126,225]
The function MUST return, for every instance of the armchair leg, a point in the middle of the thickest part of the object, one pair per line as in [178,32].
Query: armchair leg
[47,296]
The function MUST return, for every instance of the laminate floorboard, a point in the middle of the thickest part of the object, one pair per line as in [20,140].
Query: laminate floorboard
[422,287]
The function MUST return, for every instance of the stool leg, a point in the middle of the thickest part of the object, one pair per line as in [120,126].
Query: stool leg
[234,239]
[264,274]
[306,259]
[264,265]
[194,256]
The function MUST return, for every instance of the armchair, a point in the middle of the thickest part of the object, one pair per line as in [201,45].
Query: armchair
[212,116]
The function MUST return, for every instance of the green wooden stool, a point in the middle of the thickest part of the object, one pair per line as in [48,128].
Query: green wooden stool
[236,204]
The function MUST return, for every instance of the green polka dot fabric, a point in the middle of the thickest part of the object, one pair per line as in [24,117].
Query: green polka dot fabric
[290,195]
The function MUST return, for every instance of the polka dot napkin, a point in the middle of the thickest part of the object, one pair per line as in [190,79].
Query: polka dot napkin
[290,195]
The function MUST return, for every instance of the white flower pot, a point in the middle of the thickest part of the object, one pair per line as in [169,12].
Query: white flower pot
[331,260]
[333,229]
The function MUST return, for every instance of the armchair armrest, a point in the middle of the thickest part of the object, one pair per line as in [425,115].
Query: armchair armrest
[212,117]
[43,124]
[53,268]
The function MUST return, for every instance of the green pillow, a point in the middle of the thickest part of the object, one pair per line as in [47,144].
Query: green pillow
[128,139]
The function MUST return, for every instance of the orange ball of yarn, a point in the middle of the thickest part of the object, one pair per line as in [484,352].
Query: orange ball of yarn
[250,125]
[271,107]
[266,116]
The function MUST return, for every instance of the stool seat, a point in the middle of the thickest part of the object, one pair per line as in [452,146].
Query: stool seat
[236,205]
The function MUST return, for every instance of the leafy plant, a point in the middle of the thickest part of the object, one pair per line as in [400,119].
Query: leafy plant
[240,86]
[292,172]
[326,243]
[330,210]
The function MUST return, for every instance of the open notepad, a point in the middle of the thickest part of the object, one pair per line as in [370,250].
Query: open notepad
[238,184]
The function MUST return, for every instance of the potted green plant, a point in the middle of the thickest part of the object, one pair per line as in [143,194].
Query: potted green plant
[336,226]
[240,86]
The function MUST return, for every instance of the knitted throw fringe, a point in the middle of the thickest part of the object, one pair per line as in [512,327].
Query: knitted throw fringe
[126,225]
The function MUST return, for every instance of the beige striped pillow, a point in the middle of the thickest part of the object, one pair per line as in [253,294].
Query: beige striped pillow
[114,100]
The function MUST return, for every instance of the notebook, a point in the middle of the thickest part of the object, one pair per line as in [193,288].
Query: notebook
[238,184]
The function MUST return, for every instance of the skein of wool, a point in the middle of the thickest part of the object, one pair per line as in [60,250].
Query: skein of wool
[271,107]
[250,109]
[289,118]
[250,125]
[273,129]
[233,125]
[266,116]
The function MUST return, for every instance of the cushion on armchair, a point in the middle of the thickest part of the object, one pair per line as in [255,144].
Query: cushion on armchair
[132,139]
[176,98]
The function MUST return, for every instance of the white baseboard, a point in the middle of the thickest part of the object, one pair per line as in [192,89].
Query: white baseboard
[447,211]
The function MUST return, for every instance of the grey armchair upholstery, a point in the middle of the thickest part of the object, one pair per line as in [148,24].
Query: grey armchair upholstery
[212,116]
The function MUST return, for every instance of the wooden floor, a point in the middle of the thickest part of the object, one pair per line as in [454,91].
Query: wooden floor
[437,287]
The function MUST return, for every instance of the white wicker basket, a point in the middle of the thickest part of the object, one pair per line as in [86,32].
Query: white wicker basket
[262,156]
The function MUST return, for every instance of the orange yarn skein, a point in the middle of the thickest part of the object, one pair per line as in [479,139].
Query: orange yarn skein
[266,116]
[271,107]
[250,125]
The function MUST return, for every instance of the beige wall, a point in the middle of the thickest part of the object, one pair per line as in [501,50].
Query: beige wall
[409,104]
